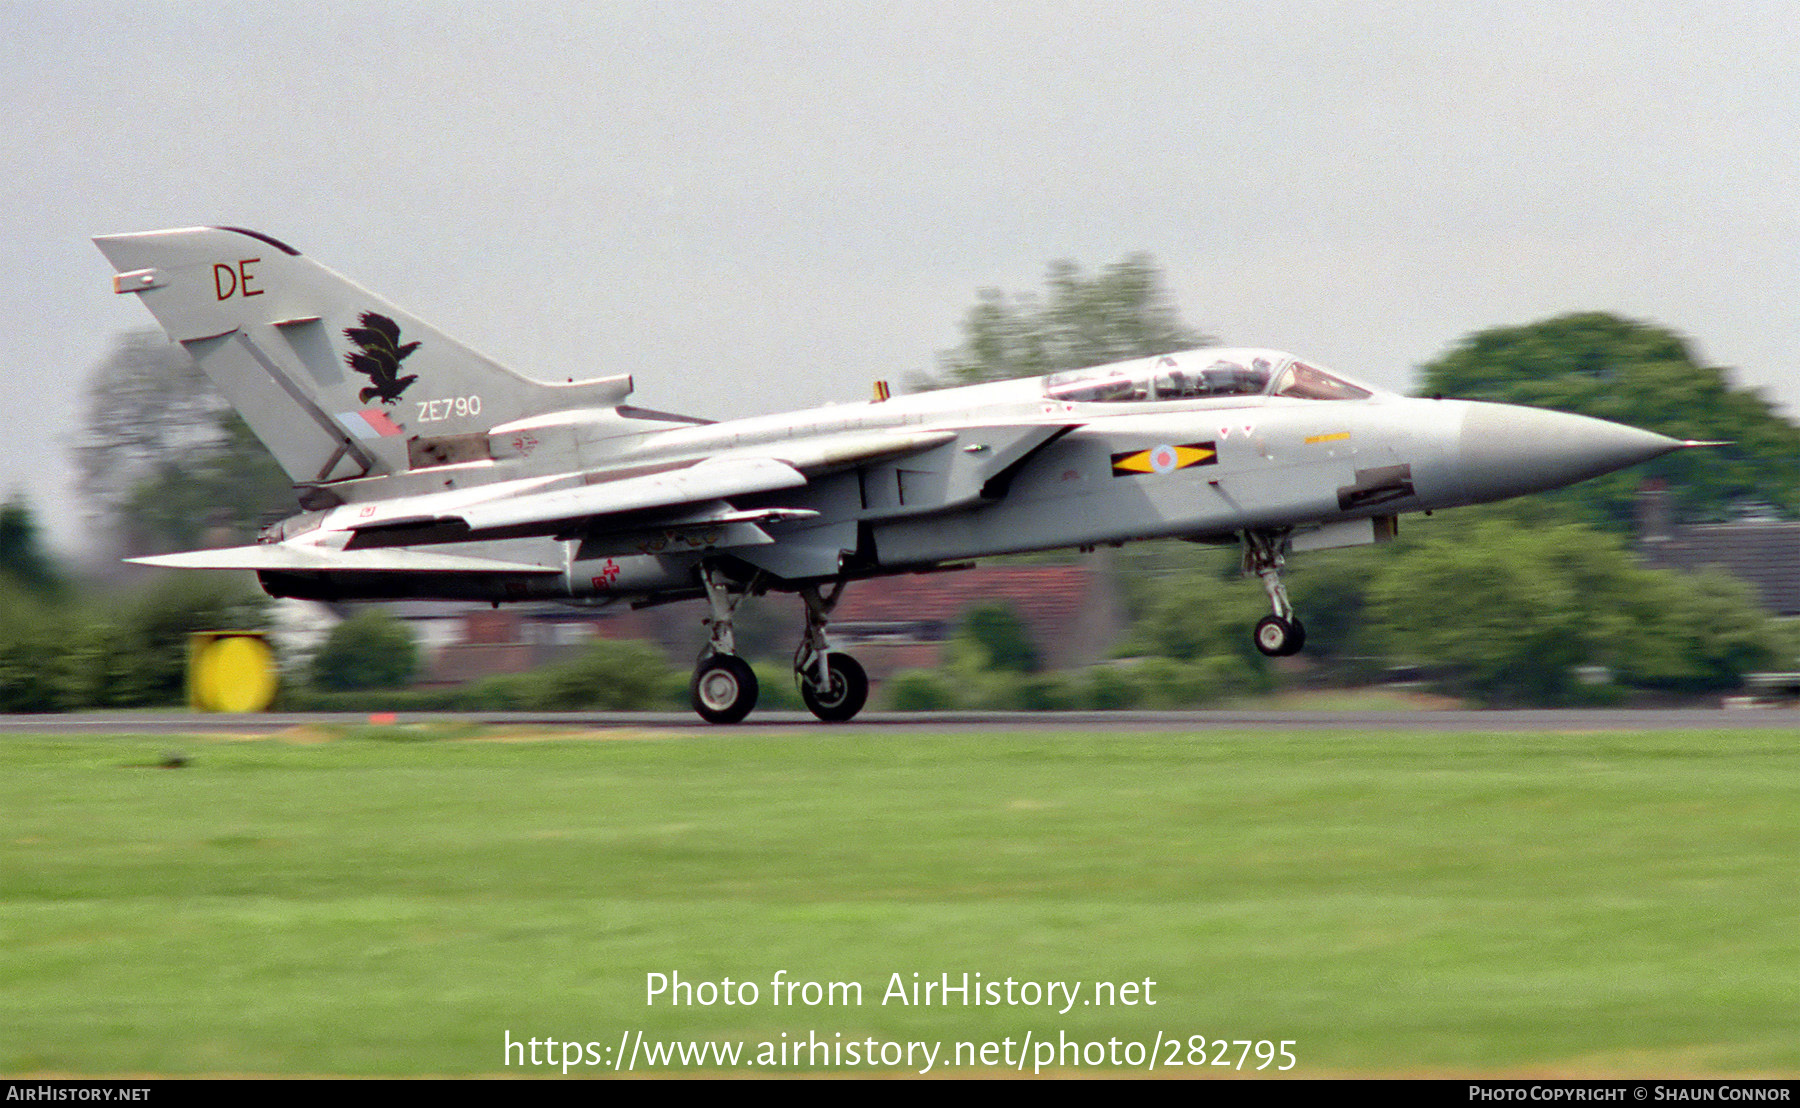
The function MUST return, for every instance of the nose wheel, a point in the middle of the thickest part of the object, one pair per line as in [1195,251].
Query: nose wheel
[1282,633]
[1278,637]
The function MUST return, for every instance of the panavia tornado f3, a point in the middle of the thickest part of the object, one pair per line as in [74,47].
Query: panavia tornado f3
[425,470]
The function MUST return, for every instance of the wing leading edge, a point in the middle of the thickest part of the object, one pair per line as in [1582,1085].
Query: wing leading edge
[299,557]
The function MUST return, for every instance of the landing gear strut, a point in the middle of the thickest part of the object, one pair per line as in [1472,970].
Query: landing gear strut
[1282,633]
[832,683]
[724,688]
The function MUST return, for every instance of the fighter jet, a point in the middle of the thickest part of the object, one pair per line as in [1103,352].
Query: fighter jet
[425,470]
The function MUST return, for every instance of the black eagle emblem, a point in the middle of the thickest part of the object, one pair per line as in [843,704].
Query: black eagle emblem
[378,357]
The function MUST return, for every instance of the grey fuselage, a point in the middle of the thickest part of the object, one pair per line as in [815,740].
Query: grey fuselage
[991,469]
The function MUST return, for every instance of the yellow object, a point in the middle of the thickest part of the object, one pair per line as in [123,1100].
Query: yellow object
[230,671]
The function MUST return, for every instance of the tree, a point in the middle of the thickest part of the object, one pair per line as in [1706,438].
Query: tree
[1200,616]
[370,650]
[158,620]
[611,675]
[22,555]
[996,636]
[1121,312]
[1510,612]
[1644,375]
[162,459]
[117,651]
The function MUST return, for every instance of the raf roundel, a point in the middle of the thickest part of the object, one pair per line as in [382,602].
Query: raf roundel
[1164,458]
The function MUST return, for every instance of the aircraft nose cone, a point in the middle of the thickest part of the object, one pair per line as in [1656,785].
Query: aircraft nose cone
[1506,450]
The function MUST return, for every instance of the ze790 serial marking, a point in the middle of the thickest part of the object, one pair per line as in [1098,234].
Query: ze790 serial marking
[436,411]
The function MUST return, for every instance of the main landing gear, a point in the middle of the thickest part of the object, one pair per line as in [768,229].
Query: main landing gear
[1282,633]
[832,683]
[724,687]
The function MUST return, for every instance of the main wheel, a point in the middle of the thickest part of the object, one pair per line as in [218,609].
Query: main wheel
[846,693]
[724,689]
[1279,637]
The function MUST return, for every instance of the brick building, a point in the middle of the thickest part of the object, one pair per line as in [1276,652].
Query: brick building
[1763,553]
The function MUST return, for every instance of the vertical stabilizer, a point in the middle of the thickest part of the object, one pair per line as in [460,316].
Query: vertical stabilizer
[334,380]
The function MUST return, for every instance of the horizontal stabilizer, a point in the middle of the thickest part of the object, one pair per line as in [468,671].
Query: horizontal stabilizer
[304,558]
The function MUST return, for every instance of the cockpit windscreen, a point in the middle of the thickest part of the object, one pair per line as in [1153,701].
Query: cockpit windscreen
[1307,383]
[1198,377]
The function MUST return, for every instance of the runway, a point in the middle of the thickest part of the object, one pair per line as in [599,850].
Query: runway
[878,723]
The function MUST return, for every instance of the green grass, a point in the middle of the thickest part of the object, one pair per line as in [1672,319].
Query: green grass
[392,901]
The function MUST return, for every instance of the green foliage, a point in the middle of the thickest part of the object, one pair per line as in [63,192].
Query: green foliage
[176,605]
[918,690]
[1167,684]
[608,675]
[1508,613]
[1110,688]
[995,638]
[217,493]
[370,650]
[1503,602]
[113,651]
[22,555]
[777,689]
[34,663]
[1121,312]
[1329,588]
[1491,610]
[111,665]
[163,461]
[1158,683]
[1710,634]
[1189,646]
[1636,373]
[1784,637]
[1036,692]
[1199,612]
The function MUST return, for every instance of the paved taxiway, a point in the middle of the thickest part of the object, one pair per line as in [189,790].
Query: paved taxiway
[1685,719]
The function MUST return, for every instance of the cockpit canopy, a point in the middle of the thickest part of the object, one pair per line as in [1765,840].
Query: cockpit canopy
[1201,374]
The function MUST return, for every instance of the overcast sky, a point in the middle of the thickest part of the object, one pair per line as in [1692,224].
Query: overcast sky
[757,206]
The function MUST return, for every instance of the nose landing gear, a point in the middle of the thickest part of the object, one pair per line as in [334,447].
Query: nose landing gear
[1282,633]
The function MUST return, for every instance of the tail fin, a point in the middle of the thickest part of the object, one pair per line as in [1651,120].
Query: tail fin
[335,381]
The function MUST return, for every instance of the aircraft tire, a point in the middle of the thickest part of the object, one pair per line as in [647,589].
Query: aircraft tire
[848,693]
[1278,638]
[724,689]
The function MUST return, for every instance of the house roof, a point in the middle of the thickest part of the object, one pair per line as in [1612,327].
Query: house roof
[1044,596]
[1766,556]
